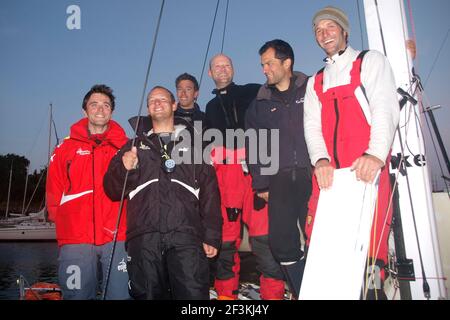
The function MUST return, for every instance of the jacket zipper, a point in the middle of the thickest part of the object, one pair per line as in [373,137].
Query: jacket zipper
[294,174]
[93,192]
[68,175]
[336,110]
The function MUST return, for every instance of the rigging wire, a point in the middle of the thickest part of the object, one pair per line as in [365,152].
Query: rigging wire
[437,58]
[425,287]
[409,114]
[56,132]
[34,143]
[360,25]
[224,26]
[421,94]
[155,37]
[41,175]
[209,43]
[432,138]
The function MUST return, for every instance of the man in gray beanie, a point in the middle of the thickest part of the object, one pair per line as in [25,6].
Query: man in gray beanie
[351,114]
[332,13]
[335,18]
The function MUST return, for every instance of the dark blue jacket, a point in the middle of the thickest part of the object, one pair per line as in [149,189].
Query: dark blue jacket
[283,111]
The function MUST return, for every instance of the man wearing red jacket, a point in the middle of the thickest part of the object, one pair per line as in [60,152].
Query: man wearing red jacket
[85,217]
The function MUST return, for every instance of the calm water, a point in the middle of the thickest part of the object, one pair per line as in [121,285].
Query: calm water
[36,261]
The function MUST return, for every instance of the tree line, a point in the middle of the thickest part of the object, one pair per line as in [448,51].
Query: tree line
[19,166]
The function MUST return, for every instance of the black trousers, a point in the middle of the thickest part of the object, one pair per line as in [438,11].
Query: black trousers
[289,193]
[167,266]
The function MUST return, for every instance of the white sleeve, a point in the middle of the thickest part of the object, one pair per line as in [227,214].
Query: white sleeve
[379,83]
[317,148]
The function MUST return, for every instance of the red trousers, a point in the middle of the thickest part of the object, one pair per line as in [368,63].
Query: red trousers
[236,192]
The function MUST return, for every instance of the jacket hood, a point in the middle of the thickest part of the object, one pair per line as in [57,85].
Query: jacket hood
[265,92]
[114,135]
[181,111]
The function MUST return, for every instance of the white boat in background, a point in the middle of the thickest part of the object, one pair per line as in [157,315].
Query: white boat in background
[33,227]
[28,231]
[15,219]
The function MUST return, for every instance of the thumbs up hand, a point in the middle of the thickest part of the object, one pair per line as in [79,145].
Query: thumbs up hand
[130,159]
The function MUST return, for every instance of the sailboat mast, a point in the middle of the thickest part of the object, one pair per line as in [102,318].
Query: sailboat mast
[49,135]
[387,32]
[49,151]
[9,189]
[25,192]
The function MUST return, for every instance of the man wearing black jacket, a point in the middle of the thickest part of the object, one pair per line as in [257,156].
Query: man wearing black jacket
[227,111]
[279,106]
[174,220]
[187,93]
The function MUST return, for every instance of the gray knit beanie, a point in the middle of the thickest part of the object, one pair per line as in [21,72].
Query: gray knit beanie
[332,13]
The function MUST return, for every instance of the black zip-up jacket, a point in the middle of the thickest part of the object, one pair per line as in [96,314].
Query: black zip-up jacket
[284,111]
[227,109]
[185,200]
[190,115]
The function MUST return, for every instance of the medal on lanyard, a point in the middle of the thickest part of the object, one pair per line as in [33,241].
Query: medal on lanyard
[168,164]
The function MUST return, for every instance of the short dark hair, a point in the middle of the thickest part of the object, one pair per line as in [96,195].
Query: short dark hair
[172,97]
[283,50]
[100,88]
[187,76]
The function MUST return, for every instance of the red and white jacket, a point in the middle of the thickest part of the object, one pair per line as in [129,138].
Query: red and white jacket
[76,199]
[375,93]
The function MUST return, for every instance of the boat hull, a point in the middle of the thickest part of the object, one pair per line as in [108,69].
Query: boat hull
[44,233]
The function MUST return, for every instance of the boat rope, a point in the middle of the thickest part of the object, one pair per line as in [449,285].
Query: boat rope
[385,224]
[421,94]
[224,26]
[425,286]
[209,44]
[413,92]
[155,37]
[370,278]
[432,139]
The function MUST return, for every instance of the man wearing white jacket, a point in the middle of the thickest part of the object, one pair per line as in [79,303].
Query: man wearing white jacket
[351,114]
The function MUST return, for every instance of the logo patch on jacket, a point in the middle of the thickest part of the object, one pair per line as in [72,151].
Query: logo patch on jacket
[273,109]
[143,146]
[82,152]
[300,101]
